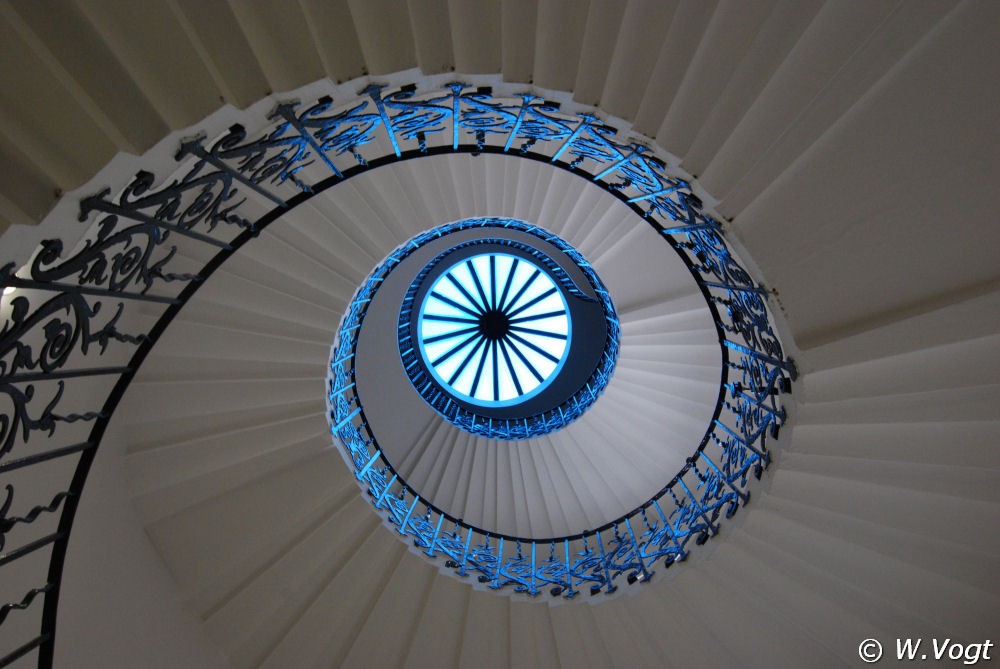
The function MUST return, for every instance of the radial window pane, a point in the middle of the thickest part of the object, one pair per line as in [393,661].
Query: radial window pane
[494,329]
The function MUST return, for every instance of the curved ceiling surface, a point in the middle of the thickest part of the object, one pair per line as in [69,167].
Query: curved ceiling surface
[874,521]
[621,451]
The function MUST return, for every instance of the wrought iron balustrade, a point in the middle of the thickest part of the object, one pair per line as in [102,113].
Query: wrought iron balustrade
[68,353]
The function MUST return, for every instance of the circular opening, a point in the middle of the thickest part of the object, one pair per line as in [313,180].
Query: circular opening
[504,330]
[494,329]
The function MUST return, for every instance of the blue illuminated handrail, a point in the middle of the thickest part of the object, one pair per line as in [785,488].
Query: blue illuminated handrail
[62,319]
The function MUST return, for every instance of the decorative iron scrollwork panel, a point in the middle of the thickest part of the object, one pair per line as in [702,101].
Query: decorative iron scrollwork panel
[70,306]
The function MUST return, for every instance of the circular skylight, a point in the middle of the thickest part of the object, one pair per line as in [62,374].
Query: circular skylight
[494,329]
[506,332]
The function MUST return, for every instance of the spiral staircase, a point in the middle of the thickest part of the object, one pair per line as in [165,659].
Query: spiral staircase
[849,148]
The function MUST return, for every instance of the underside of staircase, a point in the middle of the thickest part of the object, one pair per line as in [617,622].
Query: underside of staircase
[851,151]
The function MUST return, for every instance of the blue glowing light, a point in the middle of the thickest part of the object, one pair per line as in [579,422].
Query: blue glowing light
[494,329]
[510,335]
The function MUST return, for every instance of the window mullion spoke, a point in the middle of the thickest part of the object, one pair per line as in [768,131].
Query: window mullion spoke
[493,282]
[532,302]
[485,303]
[465,293]
[547,314]
[540,333]
[465,363]
[510,367]
[449,319]
[453,350]
[448,300]
[449,335]
[496,371]
[507,284]
[540,351]
[531,368]
[520,292]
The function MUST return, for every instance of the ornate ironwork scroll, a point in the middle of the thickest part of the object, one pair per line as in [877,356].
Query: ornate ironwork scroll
[714,482]
[63,313]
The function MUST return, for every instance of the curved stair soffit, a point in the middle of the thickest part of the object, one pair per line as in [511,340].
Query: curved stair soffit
[254,173]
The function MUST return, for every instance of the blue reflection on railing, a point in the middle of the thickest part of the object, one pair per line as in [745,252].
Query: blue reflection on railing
[715,480]
[63,316]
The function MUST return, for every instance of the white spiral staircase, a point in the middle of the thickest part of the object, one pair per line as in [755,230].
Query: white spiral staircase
[852,149]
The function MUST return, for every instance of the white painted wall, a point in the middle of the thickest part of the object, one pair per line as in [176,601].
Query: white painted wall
[119,606]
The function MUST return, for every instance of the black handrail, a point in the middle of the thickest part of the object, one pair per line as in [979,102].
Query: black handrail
[62,310]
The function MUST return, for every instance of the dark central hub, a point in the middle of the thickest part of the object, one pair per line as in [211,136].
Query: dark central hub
[494,324]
